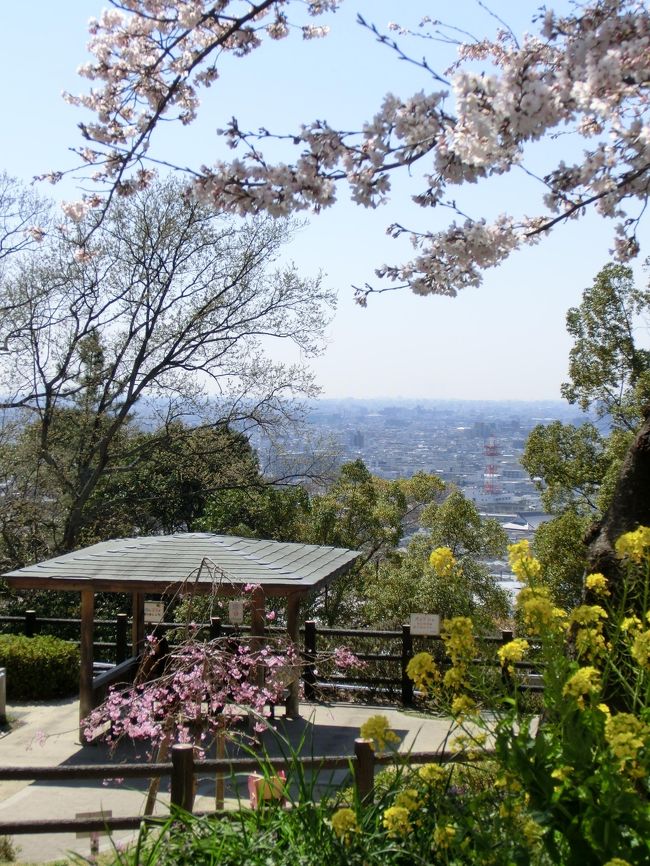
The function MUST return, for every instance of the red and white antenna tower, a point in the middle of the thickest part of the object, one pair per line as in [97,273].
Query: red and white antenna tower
[491,475]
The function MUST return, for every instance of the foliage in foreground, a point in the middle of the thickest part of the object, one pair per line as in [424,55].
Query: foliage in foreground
[568,786]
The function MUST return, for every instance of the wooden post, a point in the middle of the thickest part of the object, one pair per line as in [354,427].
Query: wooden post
[86,652]
[121,623]
[215,627]
[137,625]
[293,698]
[220,779]
[257,633]
[182,795]
[30,623]
[258,607]
[310,659]
[407,655]
[506,677]
[364,770]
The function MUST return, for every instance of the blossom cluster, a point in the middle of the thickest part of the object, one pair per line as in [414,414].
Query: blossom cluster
[377,729]
[443,561]
[586,72]
[204,689]
[634,546]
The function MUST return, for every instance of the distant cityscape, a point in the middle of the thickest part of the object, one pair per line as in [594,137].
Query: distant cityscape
[476,445]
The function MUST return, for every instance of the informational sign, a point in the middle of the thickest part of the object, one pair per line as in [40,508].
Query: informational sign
[425,623]
[236,611]
[92,834]
[154,611]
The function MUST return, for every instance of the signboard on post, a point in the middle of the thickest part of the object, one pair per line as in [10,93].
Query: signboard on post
[94,835]
[425,624]
[236,611]
[154,611]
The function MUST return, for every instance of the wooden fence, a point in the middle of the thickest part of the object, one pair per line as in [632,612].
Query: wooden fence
[183,768]
[313,635]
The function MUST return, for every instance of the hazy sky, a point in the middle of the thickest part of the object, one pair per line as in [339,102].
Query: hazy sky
[505,340]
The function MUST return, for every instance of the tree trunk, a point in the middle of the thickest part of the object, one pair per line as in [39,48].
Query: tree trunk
[629,508]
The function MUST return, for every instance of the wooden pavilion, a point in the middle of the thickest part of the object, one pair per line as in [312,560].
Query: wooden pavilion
[194,562]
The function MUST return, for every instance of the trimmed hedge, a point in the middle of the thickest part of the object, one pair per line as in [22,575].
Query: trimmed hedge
[39,667]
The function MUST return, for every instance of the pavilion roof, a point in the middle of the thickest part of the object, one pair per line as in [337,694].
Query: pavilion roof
[165,562]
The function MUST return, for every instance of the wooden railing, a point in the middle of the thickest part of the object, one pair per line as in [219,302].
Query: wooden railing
[314,636]
[182,770]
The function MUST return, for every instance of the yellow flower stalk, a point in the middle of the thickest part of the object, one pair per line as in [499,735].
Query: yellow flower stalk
[523,564]
[597,583]
[408,799]
[443,561]
[626,735]
[433,774]
[640,650]
[635,545]
[423,671]
[585,683]
[458,636]
[396,821]
[377,728]
[443,836]
[344,824]
[512,652]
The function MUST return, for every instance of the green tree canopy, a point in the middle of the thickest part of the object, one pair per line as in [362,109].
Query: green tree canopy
[407,582]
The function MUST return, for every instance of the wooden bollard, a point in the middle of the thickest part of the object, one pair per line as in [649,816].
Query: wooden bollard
[121,649]
[407,655]
[364,770]
[182,795]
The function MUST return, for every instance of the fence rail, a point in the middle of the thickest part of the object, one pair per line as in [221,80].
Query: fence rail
[182,770]
[119,650]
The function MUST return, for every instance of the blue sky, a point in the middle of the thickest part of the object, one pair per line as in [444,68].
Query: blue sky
[505,340]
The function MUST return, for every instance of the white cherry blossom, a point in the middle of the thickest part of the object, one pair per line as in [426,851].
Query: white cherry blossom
[587,72]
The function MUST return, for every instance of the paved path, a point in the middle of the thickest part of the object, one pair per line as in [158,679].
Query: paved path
[323,729]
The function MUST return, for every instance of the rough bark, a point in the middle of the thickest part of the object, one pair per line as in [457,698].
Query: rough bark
[629,508]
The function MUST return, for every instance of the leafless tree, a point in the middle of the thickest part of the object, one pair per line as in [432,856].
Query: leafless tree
[167,305]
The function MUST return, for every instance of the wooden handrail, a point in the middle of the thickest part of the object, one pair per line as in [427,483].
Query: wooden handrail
[362,766]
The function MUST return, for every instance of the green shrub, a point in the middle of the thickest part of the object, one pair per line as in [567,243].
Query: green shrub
[40,667]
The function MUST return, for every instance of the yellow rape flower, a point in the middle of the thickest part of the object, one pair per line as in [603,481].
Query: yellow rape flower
[631,624]
[396,820]
[443,836]
[585,683]
[532,831]
[626,735]
[540,615]
[523,564]
[617,861]
[408,799]
[455,679]
[562,774]
[640,650]
[588,614]
[512,652]
[433,774]
[591,644]
[423,671]
[377,729]
[462,705]
[458,636]
[443,561]
[634,545]
[597,583]
[344,824]
[469,746]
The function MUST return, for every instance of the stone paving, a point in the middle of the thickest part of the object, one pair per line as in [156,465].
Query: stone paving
[47,735]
